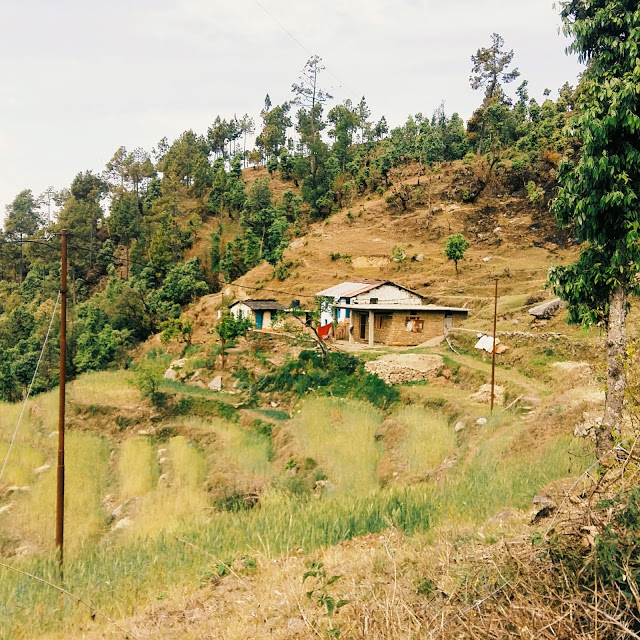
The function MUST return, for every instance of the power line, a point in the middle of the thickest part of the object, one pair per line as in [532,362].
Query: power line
[35,373]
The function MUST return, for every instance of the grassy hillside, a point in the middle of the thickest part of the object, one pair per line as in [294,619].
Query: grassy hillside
[199,513]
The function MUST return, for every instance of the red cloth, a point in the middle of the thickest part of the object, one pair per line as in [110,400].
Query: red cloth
[323,332]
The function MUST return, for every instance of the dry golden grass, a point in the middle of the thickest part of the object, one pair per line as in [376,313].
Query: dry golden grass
[137,468]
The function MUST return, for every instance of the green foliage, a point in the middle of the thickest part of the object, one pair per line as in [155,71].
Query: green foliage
[320,592]
[456,246]
[599,191]
[338,374]
[534,193]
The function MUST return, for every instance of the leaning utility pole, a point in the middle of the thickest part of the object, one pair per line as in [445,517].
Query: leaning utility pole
[63,375]
[493,351]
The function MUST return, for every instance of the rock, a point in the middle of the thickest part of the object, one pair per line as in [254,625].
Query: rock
[543,507]
[577,367]
[459,426]
[408,367]
[41,469]
[194,376]
[197,383]
[122,524]
[215,384]
[117,512]
[481,421]
[542,501]
[143,432]
[420,257]
[273,404]
[178,364]
[486,259]
[548,309]
[6,508]
[16,489]
[170,374]
[483,395]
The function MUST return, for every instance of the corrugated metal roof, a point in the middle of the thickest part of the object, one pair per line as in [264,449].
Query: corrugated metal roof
[351,288]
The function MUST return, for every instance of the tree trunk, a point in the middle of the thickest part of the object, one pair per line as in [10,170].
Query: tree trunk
[616,376]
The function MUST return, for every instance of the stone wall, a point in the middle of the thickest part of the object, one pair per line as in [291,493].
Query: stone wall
[394,328]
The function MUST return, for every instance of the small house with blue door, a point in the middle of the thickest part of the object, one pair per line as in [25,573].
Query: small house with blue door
[261,312]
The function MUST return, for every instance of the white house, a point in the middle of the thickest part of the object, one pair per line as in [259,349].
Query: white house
[382,311]
[363,291]
[260,311]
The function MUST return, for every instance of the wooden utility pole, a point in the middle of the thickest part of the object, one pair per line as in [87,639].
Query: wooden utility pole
[61,408]
[493,350]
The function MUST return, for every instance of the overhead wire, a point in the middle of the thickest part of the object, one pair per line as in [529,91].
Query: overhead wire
[35,373]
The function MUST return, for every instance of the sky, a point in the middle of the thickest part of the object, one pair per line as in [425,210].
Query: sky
[80,78]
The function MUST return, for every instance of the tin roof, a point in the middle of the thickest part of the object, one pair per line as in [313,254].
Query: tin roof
[356,286]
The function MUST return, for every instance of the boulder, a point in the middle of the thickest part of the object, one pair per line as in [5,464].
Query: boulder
[459,426]
[483,395]
[547,309]
[178,364]
[216,384]
[170,374]
[481,421]
[420,257]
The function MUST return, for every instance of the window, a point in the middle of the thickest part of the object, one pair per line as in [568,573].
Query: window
[414,324]
[378,321]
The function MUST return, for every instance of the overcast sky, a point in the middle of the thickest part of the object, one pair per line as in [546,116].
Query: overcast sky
[79,78]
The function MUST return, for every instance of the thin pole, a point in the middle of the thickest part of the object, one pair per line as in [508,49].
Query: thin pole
[63,375]
[493,351]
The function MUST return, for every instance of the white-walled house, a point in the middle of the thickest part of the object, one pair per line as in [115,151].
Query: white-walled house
[385,312]
[260,311]
[363,291]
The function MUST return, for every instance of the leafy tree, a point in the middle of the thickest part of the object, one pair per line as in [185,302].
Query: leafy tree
[345,121]
[275,122]
[599,190]
[228,328]
[124,221]
[22,218]
[455,249]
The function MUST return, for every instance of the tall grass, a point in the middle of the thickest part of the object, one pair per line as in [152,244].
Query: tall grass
[107,388]
[122,577]
[176,501]
[86,481]
[250,451]
[21,464]
[496,479]
[339,435]
[137,468]
[428,439]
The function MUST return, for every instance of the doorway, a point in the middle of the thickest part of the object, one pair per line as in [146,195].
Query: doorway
[363,326]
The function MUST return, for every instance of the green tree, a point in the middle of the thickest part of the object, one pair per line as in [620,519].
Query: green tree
[23,218]
[229,328]
[600,189]
[124,221]
[455,249]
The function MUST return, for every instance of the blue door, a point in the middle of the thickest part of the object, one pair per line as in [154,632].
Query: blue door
[259,319]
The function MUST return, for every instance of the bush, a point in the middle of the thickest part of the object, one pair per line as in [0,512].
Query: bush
[340,374]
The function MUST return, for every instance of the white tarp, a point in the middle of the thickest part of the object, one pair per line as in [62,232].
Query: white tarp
[486,343]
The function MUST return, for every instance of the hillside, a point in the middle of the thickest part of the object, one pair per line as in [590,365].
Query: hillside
[197,513]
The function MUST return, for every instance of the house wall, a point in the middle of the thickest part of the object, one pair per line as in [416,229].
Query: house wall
[394,330]
[241,311]
[389,294]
